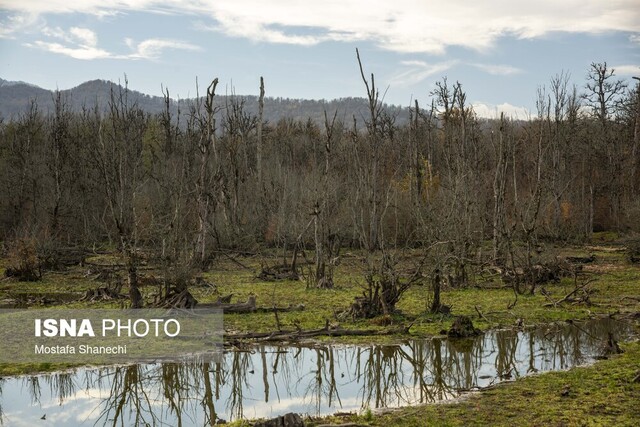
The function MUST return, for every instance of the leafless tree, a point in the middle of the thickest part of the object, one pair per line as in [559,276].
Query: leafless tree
[118,156]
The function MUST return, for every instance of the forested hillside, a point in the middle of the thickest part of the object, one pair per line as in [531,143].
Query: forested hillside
[16,97]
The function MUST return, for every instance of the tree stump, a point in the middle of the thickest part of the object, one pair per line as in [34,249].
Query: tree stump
[287,420]
[463,328]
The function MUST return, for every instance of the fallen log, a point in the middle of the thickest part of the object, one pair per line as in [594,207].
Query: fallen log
[290,307]
[287,420]
[250,306]
[225,299]
[278,273]
[241,307]
[580,259]
[342,425]
[227,307]
[328,330]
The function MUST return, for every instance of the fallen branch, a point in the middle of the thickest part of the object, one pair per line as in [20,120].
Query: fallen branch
[628,297]
[481,315]
[225,304]
[235,261]
[342,425]
[328,330]
[570,294]
[241,307]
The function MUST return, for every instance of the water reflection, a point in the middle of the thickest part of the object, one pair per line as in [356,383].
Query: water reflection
[268,381]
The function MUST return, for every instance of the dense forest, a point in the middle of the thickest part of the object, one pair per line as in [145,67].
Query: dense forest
[183,185]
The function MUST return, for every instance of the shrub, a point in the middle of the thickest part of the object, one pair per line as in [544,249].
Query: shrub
[22,260]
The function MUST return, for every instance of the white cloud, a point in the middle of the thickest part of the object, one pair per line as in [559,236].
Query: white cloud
[80,52]
[82,43]
[417,71]
[56,32]
[152,48]
[75,35]
[262,33]
[498,70]
[401,25]
[84,36]
[626,70]
[635,38]
[13,23]
[492,111]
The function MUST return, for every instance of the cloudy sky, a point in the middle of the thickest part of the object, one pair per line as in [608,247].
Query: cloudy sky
[500,50]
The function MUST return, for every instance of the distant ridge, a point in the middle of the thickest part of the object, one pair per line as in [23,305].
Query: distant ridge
[16,98]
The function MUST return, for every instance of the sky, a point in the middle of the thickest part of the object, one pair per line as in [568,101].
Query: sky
[501,51]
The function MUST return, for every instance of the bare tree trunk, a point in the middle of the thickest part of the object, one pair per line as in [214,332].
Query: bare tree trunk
[416,157]
[436,305]
[132,277]
[259,130]
[635,161]
[207,145]
[499,190]
[323,247]
[372,239]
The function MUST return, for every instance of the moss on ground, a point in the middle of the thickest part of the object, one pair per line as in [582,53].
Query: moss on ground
[616,290]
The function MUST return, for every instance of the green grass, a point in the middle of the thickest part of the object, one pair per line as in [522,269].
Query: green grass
[599,395]
[616,291]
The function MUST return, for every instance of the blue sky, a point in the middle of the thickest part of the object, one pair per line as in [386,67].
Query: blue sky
[500,50]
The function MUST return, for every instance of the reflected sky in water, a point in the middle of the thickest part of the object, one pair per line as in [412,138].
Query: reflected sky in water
[268,381]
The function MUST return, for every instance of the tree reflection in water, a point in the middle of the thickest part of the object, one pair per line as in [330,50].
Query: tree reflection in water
[268,381]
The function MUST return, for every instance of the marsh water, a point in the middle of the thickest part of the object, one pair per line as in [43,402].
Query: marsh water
[267,381]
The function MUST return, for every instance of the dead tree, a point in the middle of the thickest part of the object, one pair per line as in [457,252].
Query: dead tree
[259,132]
[208,154]
[59,159]
[499,193]
[371,206]
[176,224]
[456,217]
[118,155]
[237,126]
[635,160]
[603,94]
[529,215]
[385,285]
[436,305]
[324,256]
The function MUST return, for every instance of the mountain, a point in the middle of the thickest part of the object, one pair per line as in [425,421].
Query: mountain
[8,83]
[16,98]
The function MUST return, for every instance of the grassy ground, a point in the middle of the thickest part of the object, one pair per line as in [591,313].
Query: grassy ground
[603,394]
[598,395]
[616,290]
